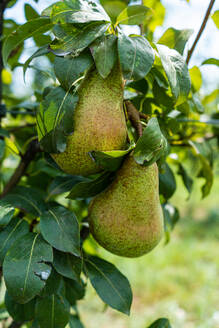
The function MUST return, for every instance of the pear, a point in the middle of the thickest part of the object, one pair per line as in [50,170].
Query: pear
[99,123]
[126,218]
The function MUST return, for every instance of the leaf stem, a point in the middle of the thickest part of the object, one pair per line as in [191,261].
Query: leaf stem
[204,22]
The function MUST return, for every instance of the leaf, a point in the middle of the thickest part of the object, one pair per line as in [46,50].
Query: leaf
[110,284]
[2,148]
[53,285]
[69,69]
[26,267]
[110,160]
[211,61]
[152,145]
[215,18]
[20,312]
[175,39]
[74,291]
[176,71]
[187,180]
[26,199]
[91,188]
[206,161]
[75,322]
[55,119]
[133,15]
[6,213]
[171,217]
[113,8]
[4,133]
[60,228]
[30,13]
[31,28]
[52,312]
[196,78]
[141,86]
[160,323]
[78,12]
[67,265]
[136,56]
[63,184]
[104,52]
[13,231]
[76,40]
[167,182]
[44,50]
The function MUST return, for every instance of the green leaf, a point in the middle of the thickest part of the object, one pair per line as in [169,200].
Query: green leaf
[161,97]
[4,133]
[136,56]
[67,265]
[26,199]
[205,156]
[152,145]
[110,284]
[104,52]
[74,291]
[167,182]
[171,217]
[196,78]
[69,69]
[113,8]
[30,13]
[26,267]
[175,39]
[6,213]
[20,312]
[215,18]
[141,86]
[75,321]
[160,323]
[63,184]
[53,285]
[187,180]
[52,312]
[2,148]
[177,73]
[91,188]
[76,40]
[60,228]
[55,119]
[211,61]
[78,12]
[133,15]
[31,28]
[110,160]
[44,50]
[13,231]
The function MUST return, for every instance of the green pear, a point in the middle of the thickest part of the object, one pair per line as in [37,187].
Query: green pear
[126,218]
[99,123]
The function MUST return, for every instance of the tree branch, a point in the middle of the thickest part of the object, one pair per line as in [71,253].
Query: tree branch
[190,52]
[33,149]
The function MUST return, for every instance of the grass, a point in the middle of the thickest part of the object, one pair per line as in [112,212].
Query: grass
[178,281]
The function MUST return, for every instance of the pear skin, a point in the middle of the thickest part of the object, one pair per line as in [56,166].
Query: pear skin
[127,218]
[99,123]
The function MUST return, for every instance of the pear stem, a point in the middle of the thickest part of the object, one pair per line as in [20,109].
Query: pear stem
[135,117]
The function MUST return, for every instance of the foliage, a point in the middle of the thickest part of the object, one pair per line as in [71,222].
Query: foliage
[43,253]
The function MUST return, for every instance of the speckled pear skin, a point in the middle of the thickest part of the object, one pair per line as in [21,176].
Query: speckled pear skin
[99,123]
[127,219]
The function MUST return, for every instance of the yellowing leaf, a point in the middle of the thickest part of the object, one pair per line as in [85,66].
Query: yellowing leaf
[215,18]
[196,78]
[6,76]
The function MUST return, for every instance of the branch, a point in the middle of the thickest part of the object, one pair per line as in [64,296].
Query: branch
[134,117]
[190,52]
[33,149]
